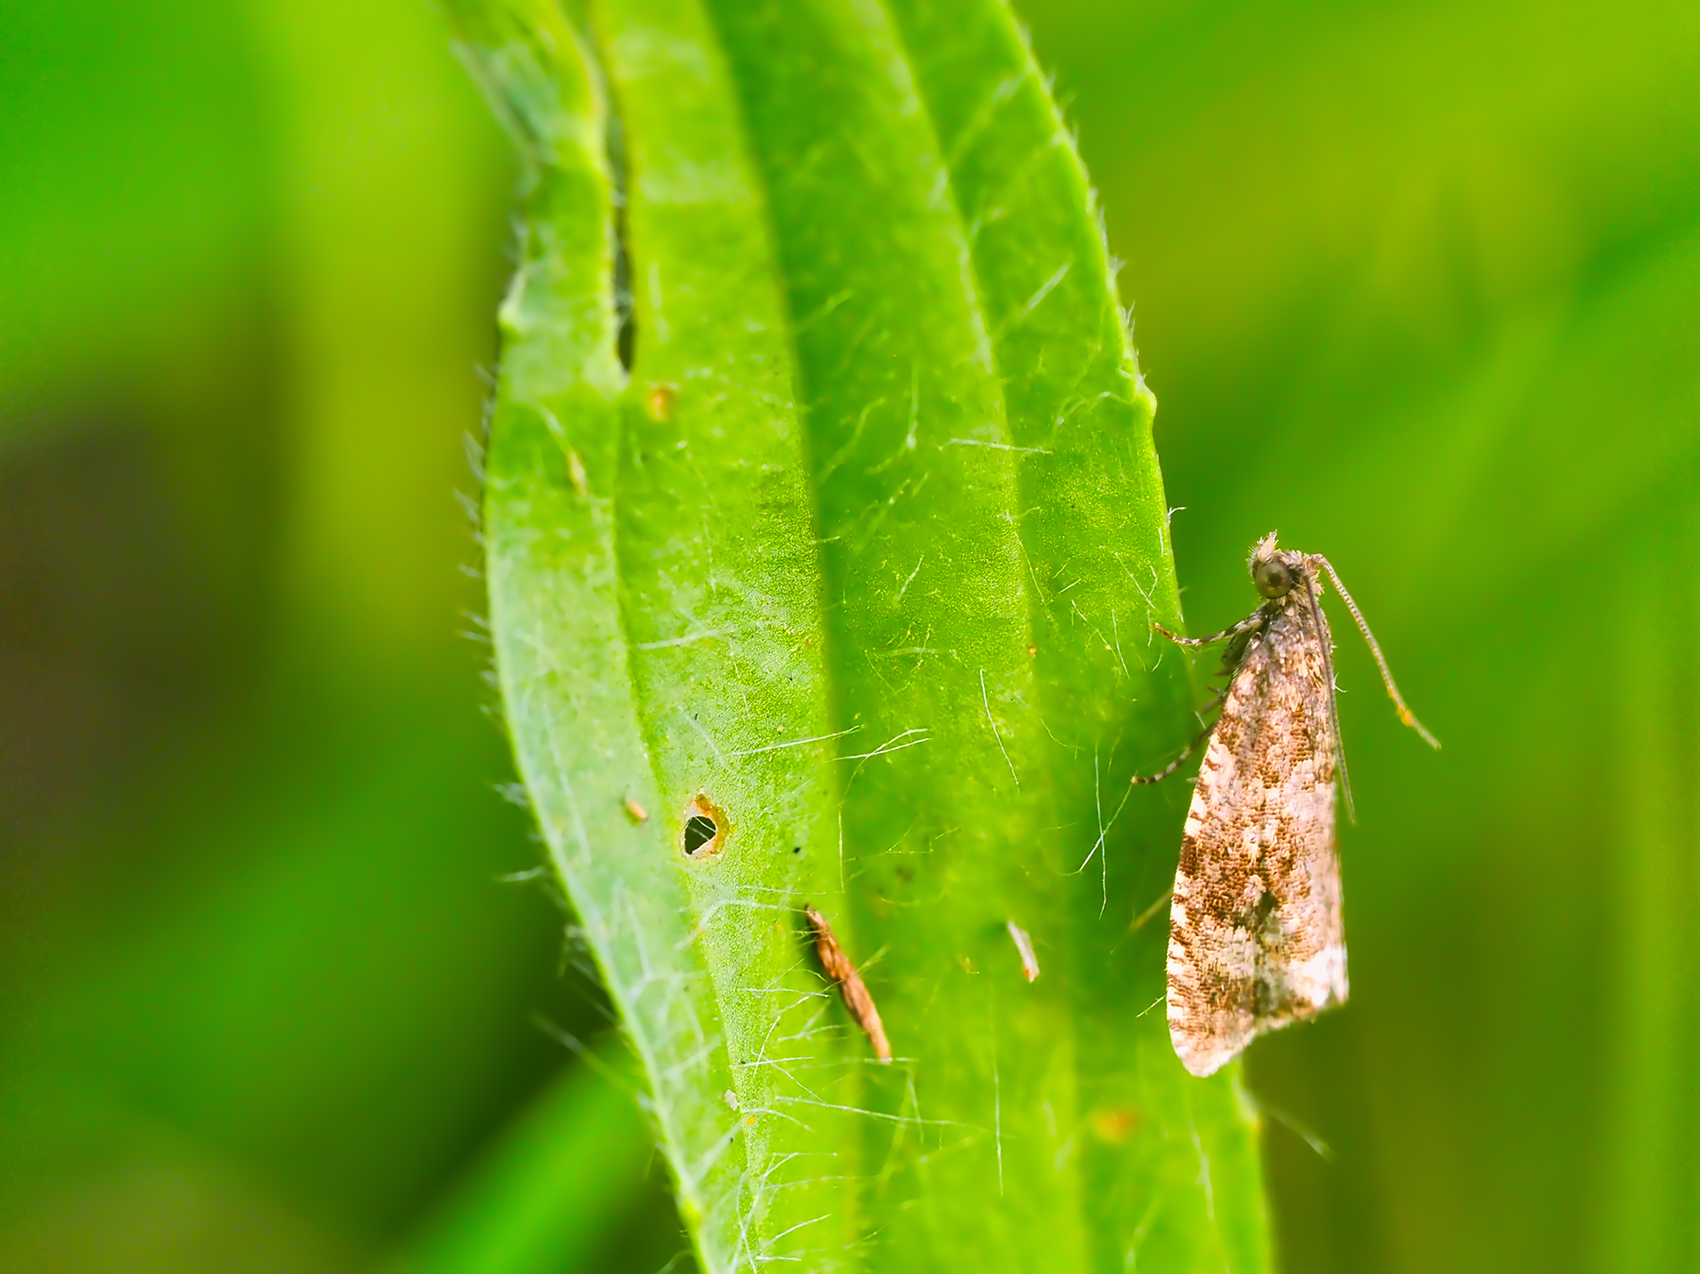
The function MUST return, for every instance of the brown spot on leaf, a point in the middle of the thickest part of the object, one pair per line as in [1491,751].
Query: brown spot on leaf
[1114,1125]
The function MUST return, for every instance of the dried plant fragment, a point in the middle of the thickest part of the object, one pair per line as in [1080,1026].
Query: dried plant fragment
[634,811]
[841,971]
[1256,934]
[1024,946]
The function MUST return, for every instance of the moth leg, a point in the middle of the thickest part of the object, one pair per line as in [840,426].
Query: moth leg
[1250,621]
[1192,747]
[1172,766]
[1140,920]
[1250,624]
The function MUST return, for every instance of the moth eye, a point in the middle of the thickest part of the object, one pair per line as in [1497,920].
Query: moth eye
[1274,578]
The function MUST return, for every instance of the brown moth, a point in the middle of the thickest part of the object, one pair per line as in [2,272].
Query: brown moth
[1256,936]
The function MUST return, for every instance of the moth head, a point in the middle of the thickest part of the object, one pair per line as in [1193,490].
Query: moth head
[1272,570]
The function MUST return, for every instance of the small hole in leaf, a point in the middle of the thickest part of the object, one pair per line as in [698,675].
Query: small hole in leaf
[796,849]
[699,830]
[704,829]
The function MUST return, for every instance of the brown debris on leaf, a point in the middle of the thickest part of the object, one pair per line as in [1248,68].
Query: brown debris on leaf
[841,971]
[662,397]
[1024,948]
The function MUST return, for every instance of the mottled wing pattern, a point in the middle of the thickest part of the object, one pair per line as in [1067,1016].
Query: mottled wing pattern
[1256,938]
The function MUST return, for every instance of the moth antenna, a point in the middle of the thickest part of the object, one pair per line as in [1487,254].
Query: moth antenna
[1333,701]
[1405,714]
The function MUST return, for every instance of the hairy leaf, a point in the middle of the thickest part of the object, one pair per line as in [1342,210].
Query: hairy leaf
[825,537]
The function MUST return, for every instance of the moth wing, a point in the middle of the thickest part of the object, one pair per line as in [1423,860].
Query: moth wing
[1302,963]
[1212,959]
[1256,934]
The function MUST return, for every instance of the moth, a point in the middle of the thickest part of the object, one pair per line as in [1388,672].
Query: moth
[1256,934]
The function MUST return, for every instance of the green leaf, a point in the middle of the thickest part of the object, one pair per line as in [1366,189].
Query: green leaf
[859,561]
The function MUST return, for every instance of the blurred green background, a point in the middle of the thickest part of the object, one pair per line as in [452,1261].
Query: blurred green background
[1416,283]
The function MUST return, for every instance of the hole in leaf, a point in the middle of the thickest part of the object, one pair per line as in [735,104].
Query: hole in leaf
[699,831]
[705,829]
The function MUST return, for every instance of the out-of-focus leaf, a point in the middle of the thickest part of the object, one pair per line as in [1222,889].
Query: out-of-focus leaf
[558,1180]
